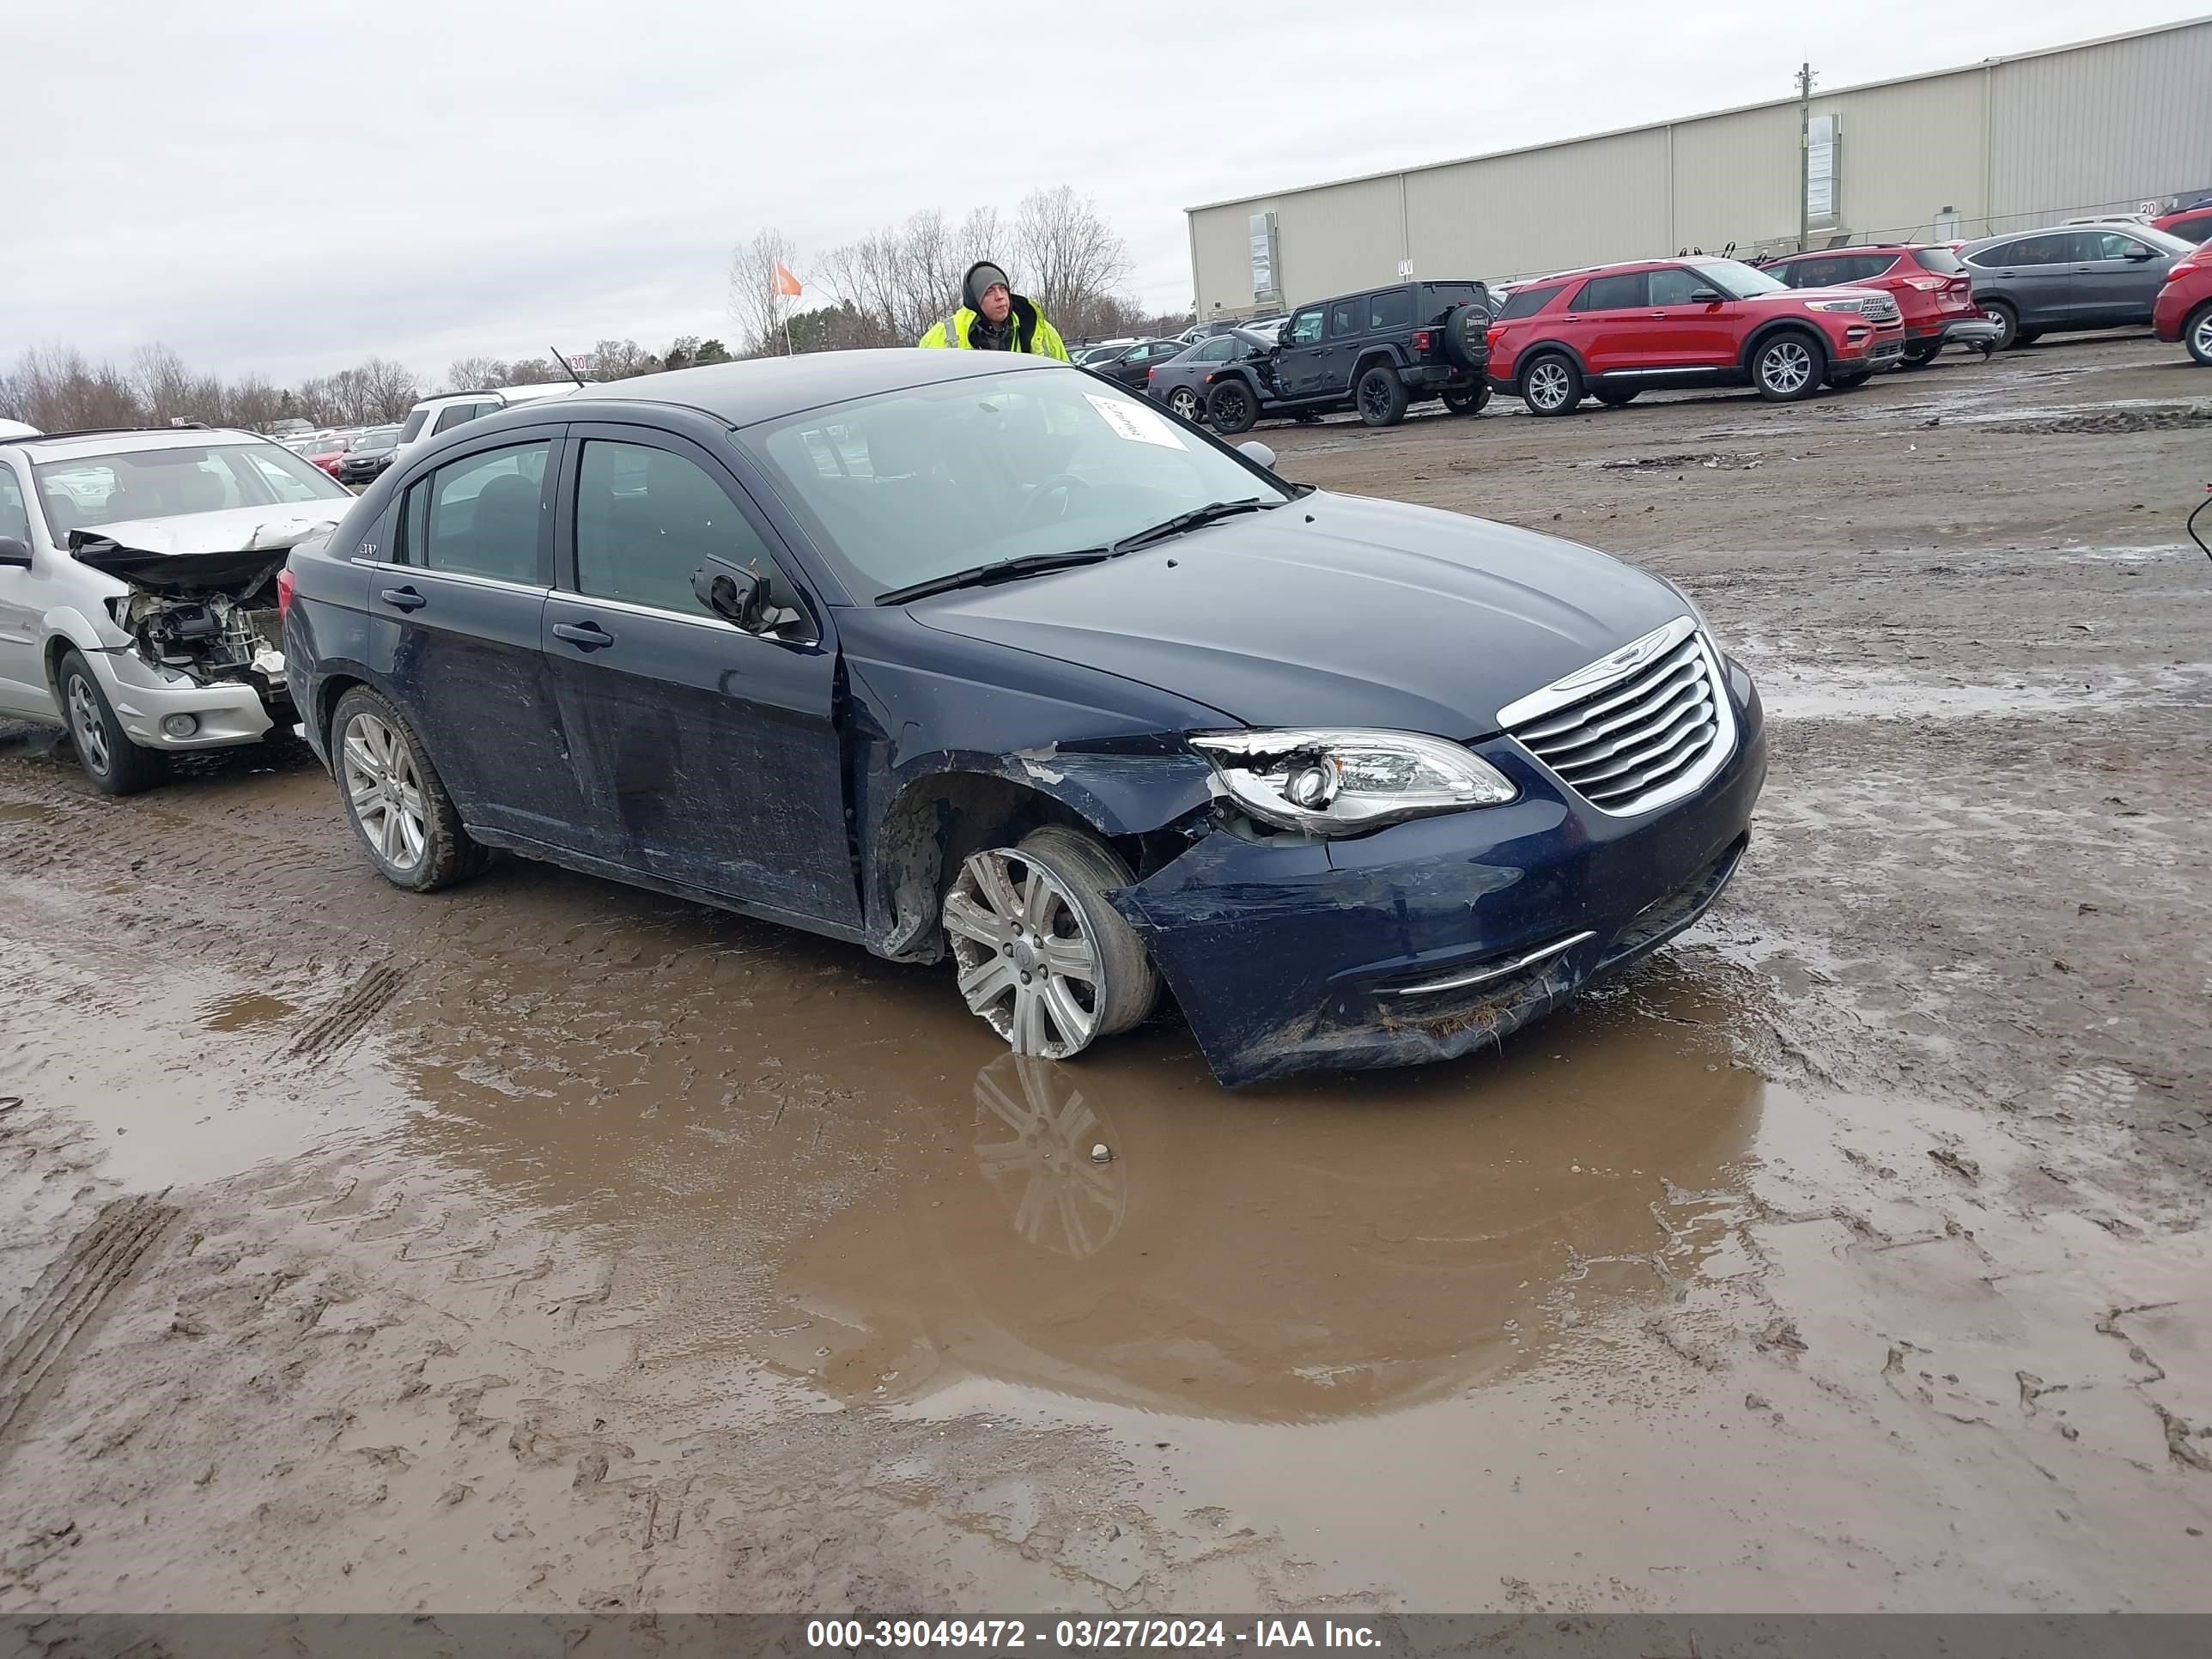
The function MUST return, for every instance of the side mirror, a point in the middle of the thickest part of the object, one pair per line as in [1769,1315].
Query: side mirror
[2139,254]
[13,552]
[1704,296]
[1258,453]
[734,595]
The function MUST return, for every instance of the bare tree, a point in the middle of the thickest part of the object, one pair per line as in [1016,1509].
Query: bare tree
[755,305]
[474,373]
[1071,260]
[165,386]
[619,360]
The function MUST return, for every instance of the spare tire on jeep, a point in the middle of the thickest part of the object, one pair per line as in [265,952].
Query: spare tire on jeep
[1466,337]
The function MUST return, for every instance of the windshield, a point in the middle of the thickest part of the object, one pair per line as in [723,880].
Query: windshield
[90,490]
[908,485]
[373,440]
[2164,240]
[1736,279]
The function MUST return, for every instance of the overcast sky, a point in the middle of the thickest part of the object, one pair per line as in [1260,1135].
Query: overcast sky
[290,187]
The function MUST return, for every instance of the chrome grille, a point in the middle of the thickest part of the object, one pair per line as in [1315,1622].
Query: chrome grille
[1884,310]
[1635,730]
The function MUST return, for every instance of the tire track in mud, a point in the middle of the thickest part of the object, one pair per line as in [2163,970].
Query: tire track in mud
[70,1292]
[326,1035]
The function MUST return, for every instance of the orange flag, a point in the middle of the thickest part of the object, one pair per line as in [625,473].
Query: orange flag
[785,282]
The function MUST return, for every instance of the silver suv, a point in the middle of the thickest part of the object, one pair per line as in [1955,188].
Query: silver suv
[138,589]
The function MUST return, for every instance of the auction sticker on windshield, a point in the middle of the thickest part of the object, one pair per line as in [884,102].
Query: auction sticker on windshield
[1134,421]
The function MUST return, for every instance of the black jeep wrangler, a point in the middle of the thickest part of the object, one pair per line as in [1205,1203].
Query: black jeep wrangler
[1376,351]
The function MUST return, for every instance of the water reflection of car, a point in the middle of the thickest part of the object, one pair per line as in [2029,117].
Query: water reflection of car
[368,455]
[1314,1258]
[961,655]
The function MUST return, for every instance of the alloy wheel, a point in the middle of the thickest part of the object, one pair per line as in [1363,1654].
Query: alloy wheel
[1547,385]
[1184,401]
[1027,962]
[1374,402]
[385,791]
[87,725]
[2201,337]
[1785,367]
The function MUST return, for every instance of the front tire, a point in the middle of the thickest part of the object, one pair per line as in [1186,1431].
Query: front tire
[1919,356]
[1467,402]
[1043,957]
[1552,384]
[1233,408]
[395,799]
[2196,333]
[1788,366]
[116,765]
[1382,396]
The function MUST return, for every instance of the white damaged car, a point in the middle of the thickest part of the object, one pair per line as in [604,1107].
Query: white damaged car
[138,589]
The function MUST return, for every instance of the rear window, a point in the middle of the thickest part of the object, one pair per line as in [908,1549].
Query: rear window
[415,417]
[1941,260]
[1441,297]
[1392,308]
[1612,293]
[2195,229]
[1526,302]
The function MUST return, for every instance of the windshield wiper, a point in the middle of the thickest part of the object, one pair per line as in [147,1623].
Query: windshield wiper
[1198,516]
[1005,570]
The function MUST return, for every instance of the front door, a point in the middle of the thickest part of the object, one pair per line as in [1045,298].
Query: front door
[2036,273]
[25,595]
[1302,365]
[1687,333]
[2117,278]
[708,757]
[455,620]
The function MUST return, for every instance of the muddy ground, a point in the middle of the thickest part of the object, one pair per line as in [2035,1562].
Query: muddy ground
[549,1245]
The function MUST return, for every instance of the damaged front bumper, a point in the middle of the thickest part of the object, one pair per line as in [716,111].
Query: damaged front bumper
[1429,939]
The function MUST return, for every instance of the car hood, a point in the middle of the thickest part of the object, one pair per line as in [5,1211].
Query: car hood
[1332,610]
[233,549]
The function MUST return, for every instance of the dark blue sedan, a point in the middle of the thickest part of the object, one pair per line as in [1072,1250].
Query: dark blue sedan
[961,655]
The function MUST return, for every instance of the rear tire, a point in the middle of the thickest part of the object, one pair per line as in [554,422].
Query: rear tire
[1043,957]
[2196,333]
[1920,355]
[1232,407]
[116,765]
[2007,322]
[395,799]
[1788,366]
[1184,401]
[1382,396]
[1552,384]
[1616,396]
[2027,337]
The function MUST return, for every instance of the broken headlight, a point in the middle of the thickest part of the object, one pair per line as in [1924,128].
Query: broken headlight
[1337,783]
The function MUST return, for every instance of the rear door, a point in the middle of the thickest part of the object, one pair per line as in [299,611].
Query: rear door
[1347,329]
[1607,322]
[708,756]
[2116,278]
[2034,273]
[455,619]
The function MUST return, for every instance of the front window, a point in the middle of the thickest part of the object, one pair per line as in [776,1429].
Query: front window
[88,491]
[1738,280]
[908,485]
[1304,329]
[14,517]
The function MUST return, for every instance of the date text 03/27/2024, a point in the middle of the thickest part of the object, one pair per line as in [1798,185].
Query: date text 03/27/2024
[856,1635]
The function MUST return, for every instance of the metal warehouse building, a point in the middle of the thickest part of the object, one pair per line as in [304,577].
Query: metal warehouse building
[2007,144]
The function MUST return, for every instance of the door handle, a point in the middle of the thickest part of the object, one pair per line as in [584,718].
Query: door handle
[590,637]
[404,599]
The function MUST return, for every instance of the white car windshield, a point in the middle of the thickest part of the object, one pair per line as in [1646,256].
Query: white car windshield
[87,491]
[1736,279]
[906,486]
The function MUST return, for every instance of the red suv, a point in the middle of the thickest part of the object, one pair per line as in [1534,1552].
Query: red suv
[1614,330]
[2183,311]
[2191,224]
[1930,285]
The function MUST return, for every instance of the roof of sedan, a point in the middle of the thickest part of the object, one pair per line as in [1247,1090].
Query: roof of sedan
[765,387]
[123,439]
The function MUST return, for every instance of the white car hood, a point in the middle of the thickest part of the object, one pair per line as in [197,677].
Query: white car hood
[229,529]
